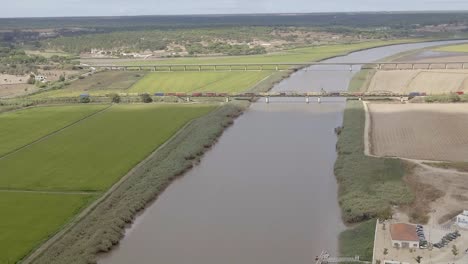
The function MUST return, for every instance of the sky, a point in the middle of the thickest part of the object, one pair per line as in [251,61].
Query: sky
[50,8]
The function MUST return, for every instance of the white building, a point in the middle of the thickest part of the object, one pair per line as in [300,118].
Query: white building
[40,78]
[404,235]
[462,219]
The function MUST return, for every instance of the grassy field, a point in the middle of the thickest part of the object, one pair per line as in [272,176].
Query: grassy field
[361,80]
[22,127]
[94,154]
[459,166]
[358,240]
[29,218]
[453,48]
[198,81]
[101,83]
[48,53]
[368,186]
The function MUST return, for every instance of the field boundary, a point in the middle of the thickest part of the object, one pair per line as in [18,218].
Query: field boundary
[52,133]
[37,252]
[48,192]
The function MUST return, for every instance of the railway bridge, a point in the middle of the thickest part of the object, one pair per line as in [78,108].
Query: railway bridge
[404,65]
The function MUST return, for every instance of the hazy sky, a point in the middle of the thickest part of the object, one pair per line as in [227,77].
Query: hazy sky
[41,8]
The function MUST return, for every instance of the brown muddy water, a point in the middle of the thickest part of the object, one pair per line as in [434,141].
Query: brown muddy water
[265,193]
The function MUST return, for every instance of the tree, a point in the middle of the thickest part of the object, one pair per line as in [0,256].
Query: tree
[61,78]
[146,98]
[418,259]
[32,79]
[454,251]
[85,99]
[115,98]
[385,251]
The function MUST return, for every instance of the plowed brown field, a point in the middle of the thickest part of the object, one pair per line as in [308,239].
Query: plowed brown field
[420,131]
[428,81]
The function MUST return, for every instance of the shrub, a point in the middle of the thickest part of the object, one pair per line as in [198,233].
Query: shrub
[115,98]
[85,99]
[32,79]
[146,98]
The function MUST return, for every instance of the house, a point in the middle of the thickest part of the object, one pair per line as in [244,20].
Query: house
[404,235]
[40,78]
[462,219]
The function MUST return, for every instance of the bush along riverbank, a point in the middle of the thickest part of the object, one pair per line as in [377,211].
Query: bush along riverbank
[368,186]
[104,226]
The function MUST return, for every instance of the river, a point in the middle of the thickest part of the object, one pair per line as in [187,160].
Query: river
[266,192]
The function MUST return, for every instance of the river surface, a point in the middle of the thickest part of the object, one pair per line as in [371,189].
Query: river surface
[266,192]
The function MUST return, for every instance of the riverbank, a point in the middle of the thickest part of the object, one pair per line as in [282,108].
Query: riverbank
[104,225]
[368,186]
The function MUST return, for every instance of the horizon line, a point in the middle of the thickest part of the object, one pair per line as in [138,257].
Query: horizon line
[246,14]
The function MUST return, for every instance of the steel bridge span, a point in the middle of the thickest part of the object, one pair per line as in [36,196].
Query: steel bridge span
[284,66]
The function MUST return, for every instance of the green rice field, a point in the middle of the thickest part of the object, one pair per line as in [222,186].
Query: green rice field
[199,81]
[95,153]
[19,128]
[46,183]
[29,218]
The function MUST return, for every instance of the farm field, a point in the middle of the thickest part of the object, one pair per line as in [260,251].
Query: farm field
[420,131]
[198,81]
[29,218]
[429,81]
[100,83]
[93,154]
[19,128]
[88,158]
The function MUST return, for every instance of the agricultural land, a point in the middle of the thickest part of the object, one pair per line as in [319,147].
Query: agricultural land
[90,153]
[420,131]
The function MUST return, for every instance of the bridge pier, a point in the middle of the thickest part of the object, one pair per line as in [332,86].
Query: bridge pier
[185,67]
[319,100]
[267,99]
[170,68]
[412,66]
[245,68]
[463,66]
[380,66]
[154,68]
[277,67]
[307,100]
[227,99]
[350,67]
[188,99]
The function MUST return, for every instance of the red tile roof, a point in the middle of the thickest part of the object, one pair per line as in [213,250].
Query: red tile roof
[403,232]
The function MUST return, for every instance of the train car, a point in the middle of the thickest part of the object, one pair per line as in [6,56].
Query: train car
[196,94]
[222,95]
[158,94]
[460,93]
[209,94]
[181,94]
[171,94]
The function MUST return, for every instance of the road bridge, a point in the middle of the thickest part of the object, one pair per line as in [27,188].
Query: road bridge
[405,65]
